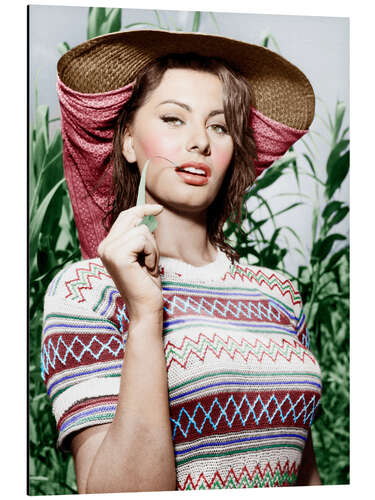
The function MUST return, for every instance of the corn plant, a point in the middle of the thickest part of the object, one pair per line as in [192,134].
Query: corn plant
[324,285]
[52,243]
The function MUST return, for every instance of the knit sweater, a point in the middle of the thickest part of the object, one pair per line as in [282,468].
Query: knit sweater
[243,384]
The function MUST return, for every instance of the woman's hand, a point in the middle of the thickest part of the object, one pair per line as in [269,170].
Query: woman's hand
[131,256]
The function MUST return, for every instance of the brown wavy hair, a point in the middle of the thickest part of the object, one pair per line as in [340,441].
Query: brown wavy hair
[240,173]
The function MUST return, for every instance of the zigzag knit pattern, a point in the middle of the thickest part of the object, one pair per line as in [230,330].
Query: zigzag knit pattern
[243,385]
[218,346]
[258,478]
[259,276]
[84,280]
[217,413]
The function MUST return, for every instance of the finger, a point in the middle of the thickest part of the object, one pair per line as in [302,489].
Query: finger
[138,240]
[151,259]
[142,249]
[132,217]
[142,210]
[150,252]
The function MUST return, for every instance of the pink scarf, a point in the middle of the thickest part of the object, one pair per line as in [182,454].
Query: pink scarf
[87,123]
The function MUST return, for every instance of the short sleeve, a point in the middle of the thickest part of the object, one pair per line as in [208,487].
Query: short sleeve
[301,328]
[84,330]
[285,290]
[293,296]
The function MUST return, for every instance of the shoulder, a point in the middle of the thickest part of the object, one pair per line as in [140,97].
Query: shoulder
[271,282]
[80,283]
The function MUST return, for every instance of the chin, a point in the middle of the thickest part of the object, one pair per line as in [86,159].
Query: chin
[187,206]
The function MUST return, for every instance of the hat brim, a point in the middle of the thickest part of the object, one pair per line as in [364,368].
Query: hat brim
[280,90]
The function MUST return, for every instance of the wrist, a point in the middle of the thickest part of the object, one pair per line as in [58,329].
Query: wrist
[146,321]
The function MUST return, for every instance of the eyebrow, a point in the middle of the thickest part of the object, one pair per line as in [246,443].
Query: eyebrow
[188,108]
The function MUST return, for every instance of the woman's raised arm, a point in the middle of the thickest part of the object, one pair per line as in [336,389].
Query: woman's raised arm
[134,452]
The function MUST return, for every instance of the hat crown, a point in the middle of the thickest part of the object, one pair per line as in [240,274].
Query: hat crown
[280,90]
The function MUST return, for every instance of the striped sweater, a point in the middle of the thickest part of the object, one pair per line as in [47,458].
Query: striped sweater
[243,384]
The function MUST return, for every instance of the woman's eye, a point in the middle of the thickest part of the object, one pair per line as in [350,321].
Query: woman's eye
[172,120]
[220,129]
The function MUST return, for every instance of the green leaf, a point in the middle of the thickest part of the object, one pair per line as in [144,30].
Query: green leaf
[331,127]
[63,47]
[32,176]
[335,155]
[265,41]
[296,174]
[293,205]
[148,220]
[305,143]
[268,37]
[267,205]
[158,18]
[268,178]
[323,246]
[274,238]
[288,228]
[340,215]
[37,220]
[131,25]
[112,22]
[52,168]
[344,133]
[310,163]
[41,137]
[337,175]
[95,20]
[339,116]
[330,208]
[212,15]
[196,21]
[315,220]
[335,258]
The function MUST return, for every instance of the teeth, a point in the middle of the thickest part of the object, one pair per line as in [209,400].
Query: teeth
[194,170]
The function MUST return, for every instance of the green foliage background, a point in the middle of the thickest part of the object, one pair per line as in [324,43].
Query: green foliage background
[323,279]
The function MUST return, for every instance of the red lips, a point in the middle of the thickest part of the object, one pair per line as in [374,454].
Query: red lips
[194,179]
[202,166]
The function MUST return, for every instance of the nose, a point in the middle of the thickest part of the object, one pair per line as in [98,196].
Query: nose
[199,141]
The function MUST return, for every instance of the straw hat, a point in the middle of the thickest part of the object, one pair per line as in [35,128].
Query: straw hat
[280,90]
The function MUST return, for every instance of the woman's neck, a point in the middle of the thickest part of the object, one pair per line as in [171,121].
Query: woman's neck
[184,237]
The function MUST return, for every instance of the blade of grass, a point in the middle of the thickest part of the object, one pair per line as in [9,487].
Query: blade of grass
[112,21]
[40,182]
[131,25]
[148,220]
[331,127]
[212,15]
[339,116]
[344,134]
[63,47]
[196,21]
[156,12]
[37,220]
[323,121]
[96,18]
[316,179]
[311,135]
[300,195]
[310,163]
[293,205]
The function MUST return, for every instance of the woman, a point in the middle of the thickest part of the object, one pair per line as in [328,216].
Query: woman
[168,364]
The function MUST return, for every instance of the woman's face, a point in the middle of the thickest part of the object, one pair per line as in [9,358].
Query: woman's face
[182,120]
